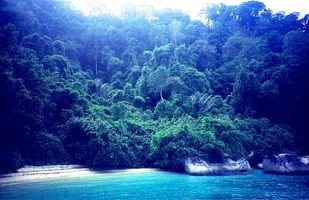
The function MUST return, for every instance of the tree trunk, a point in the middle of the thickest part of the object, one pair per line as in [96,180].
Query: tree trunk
[96,57]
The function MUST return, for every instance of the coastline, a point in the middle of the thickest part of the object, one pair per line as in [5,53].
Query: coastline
[49,172]
[147,184]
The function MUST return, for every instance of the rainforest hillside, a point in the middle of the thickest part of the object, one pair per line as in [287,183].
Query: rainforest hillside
[150,88]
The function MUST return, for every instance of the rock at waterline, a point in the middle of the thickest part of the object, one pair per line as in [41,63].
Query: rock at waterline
[286,164]
[260,166]
[201,167]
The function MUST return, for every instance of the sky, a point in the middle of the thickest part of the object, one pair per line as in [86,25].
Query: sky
[192,7]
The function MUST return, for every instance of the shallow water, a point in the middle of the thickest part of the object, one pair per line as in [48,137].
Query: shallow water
[152,184]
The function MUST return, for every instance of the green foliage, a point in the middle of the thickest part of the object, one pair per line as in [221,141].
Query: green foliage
[163,109]
[204,54]
[164,55]
[47,148]
[157,80]
[245,93]
[56,63]
[150,90]
[214,139]
[58,47]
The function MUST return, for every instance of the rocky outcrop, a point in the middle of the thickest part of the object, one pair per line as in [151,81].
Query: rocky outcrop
[201,167]
[259,166]
[286,164]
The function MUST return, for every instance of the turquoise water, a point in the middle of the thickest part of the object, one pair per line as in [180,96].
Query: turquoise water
[161,185]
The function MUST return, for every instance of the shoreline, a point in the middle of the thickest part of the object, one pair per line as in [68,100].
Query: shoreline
[30,174]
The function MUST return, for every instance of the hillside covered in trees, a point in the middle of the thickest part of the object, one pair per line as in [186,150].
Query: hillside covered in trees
[149,89]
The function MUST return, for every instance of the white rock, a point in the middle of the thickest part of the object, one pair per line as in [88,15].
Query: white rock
[201,167]
[286,163]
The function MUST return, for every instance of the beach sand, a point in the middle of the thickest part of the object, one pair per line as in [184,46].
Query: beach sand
[49,172]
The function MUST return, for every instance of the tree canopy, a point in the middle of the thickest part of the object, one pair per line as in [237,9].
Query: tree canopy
[140,90]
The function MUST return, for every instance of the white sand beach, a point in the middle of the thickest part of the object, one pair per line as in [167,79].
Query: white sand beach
[49,172]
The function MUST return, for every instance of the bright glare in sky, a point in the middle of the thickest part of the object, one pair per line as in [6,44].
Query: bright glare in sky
[192,7]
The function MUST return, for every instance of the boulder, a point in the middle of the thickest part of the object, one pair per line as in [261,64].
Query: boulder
[201,167]
[260,166]
[286,164]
